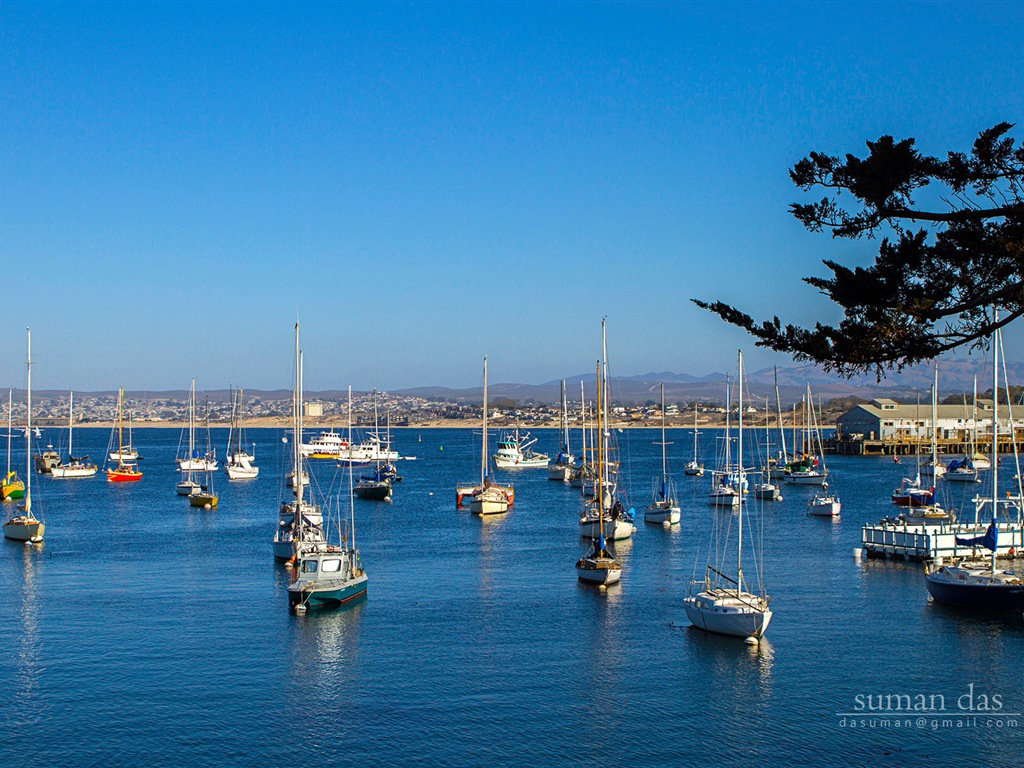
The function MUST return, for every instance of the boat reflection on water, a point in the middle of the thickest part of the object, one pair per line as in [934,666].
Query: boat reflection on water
[749,667]
[325,644]
[23,699]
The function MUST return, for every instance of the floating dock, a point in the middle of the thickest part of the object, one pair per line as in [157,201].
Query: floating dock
[934,541]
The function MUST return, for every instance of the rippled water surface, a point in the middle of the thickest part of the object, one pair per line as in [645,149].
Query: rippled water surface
[147,633]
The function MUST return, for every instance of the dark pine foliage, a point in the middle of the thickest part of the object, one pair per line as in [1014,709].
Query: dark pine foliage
[939,272]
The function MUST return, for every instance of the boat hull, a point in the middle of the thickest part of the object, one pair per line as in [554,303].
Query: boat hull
[614,530]
[24,529]
[809,478]
[600,572]
[328,596]
[1009,597]
[662,513]
[202,500]
[736,624]
[70,471]
[373,491]
[123,476]
[559,472]
[236,472]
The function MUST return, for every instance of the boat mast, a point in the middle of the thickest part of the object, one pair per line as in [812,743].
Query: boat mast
[297,431]
[739,448]
[351,494]
[483,451]
[600,459]
[778,407]
[71,416]
[935,420]
[664,459]
[583,430]
[10,426]
[120,427]
[28,431]
[996,337]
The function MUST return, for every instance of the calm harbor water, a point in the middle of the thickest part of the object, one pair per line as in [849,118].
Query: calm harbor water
[147,633]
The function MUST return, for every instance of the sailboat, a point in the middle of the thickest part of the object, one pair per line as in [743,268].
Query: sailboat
[766,490]
[663,507]
[723,604]
[933,469]
[978,584]
[609,517]
[299,522]
[582,471]
[809,467]
[125,453]
[239,464]
[12,487]
[26,526]
[192,461]
[599,566]
[725,488]
[485,498]
[79,467]
[965,470]
[560,466]
[205,497]
[125,471]
[330,575]
[375,487]
[693,467]
[188,484]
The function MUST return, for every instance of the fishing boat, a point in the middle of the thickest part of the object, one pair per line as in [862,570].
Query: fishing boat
[375,487]
[75,467]
[12,487]
[515,451]
[693,467]
[205,497]
[239,463]
[911,494]
[486,498]
[721,603]
[975,583]
[47,460]
[330,575]
[191,460]
[124,471]
[26,527]
[561,464]
[327,445]
[663,507]
[299,522]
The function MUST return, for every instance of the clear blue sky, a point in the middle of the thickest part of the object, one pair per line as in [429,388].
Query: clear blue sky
[426,183]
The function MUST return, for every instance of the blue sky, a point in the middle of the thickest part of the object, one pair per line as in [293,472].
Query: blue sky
[426,183]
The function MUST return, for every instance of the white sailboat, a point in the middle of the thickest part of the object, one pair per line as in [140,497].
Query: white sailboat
[188,484]
[766,490]
[809,467]
[239,463]
[599,566]
[330,575]
[560,466]
[603,513]
[723,604]
[193,461]
[663,507]
[933,469]
[299,522]
[725,488]
[205,497]
[486,498]
[75,467]
[693,467]
[26,527]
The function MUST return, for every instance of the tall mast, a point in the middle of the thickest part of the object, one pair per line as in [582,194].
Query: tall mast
[483,451]
[664,460]
[71,422]
[28,431]
[995,424]
[583,429]
[739,507]
[351,495]
[120,426]
[10,425]
[600,458]
[935,419]
[297,427]
[778,407]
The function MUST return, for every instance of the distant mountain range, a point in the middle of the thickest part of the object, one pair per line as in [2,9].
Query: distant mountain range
[955,376]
